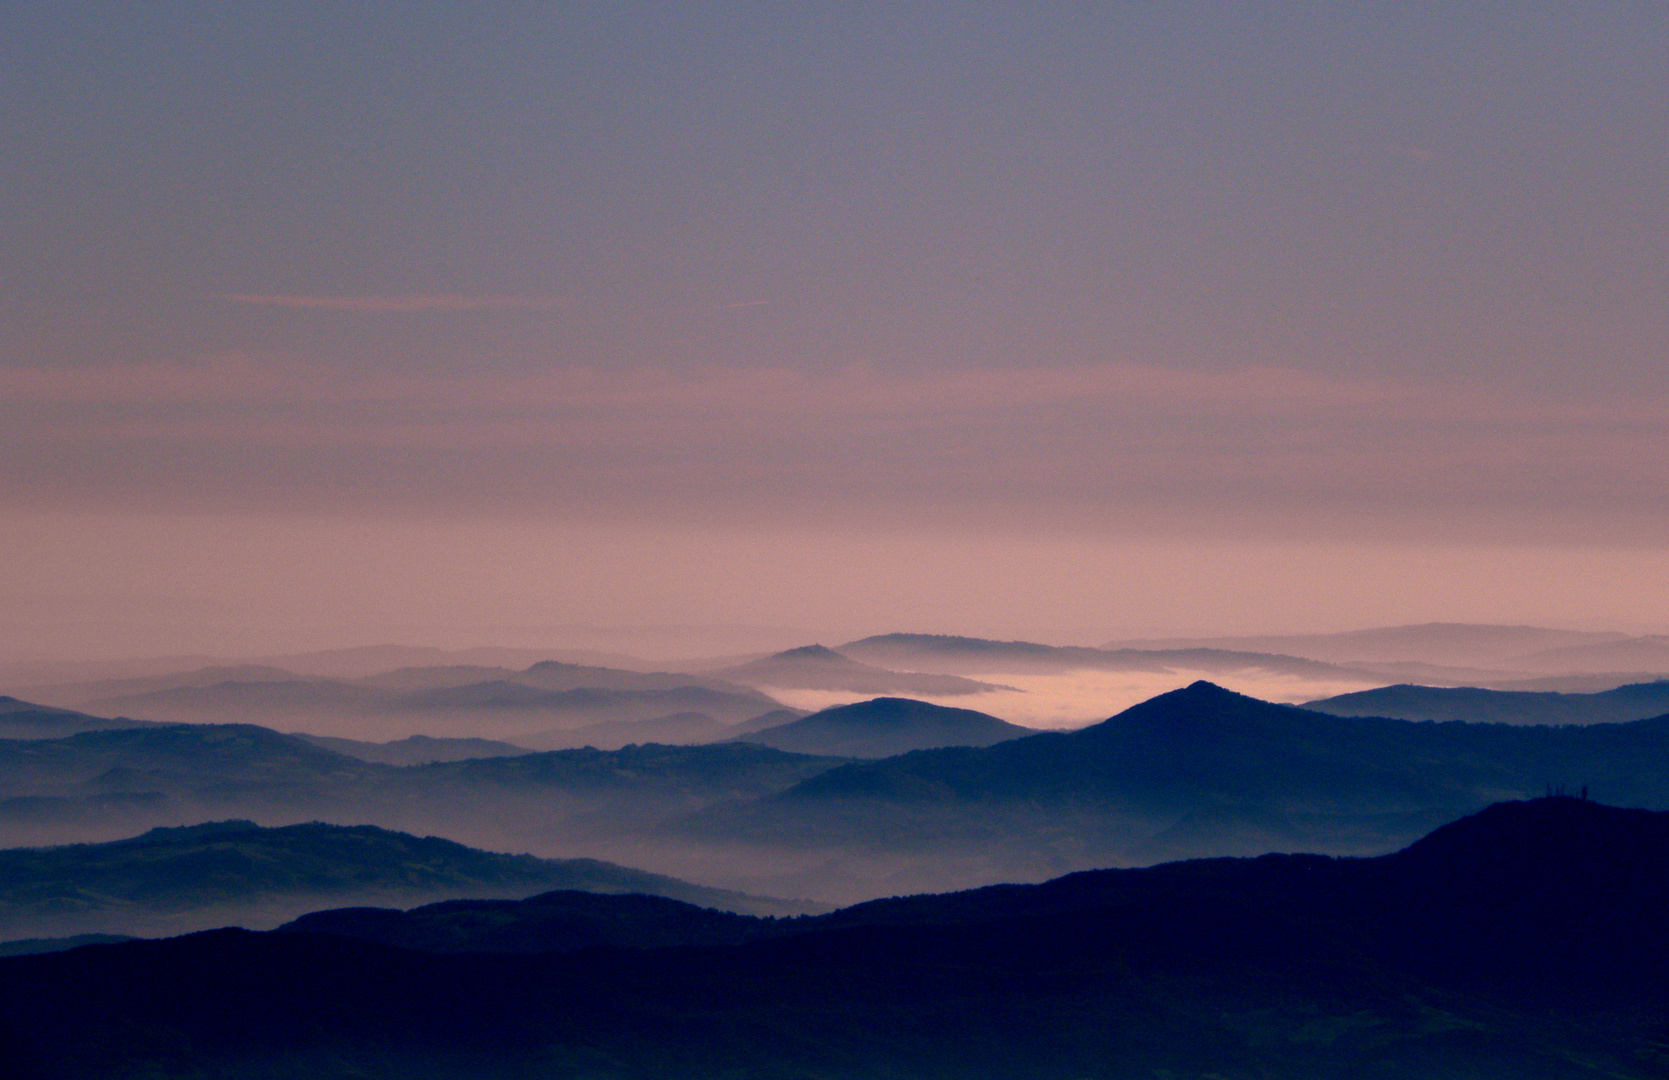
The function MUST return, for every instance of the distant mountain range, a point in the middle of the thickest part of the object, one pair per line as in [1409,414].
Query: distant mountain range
[1200,771]
[1483,647]
[1637,701]
[1528,940]
[965,655]
[464,701]
[885,727]
[351,663]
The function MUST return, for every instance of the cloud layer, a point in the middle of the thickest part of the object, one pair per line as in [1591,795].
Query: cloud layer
[1111,447]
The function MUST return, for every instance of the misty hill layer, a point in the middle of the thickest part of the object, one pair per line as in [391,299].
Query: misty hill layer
[1528,941]
[173,879]
[1199,771]
[26,720]
[885,727]
[548,694]
[965,655]
[169,757]
[1456,644]
[814,667]
[1637,701]
[415,749]
[107,784]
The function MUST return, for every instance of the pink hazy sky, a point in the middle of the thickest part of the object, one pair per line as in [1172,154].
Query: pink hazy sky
[424,323]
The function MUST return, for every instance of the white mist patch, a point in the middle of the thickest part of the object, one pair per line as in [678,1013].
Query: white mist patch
[1074,699]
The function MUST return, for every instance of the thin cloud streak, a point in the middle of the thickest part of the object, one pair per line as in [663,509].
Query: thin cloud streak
[396,305]
[707,392]
[1116,447]
[713,395]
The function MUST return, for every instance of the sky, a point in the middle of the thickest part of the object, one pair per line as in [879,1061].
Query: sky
[741,325]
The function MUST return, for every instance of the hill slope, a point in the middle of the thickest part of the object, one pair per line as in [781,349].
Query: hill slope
[1290,966]
[26,720]
[1199,771]
[884,727]
[172,880]
[1636,701]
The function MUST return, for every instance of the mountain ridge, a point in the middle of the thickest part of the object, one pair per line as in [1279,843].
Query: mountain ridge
[885,727]
[1283,965]
[173,879]
[1632,701]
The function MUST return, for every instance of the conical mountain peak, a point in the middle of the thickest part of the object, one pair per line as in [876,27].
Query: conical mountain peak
[1198,704]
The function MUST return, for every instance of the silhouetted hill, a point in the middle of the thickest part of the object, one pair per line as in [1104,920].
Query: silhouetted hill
[885,727]
[649,770]
[171,880]
[1170,749]
[415,749]
[38,946]
[563,921]
[1394,968]
[1197,771]
[815,667]
[169,757]
[102,785]
[25,720]
[604,801]
[1638,701]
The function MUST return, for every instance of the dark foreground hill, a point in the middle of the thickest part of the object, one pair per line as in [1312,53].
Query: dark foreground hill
[1636,701]
[1526,942]
[171,880]
[559,921]
[885,727]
